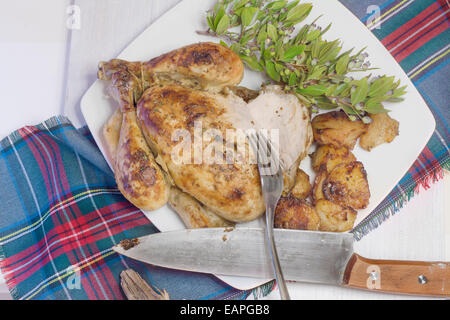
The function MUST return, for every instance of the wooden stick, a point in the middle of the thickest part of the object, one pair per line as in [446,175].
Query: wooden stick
[136,288]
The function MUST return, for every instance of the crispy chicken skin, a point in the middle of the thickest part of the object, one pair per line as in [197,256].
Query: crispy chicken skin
[207,66]
[111,135]
[193,213]
[211,64]
[128,81]
[138,176]
[233,191]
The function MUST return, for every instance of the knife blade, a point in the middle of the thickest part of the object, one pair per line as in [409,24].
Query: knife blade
[305,256]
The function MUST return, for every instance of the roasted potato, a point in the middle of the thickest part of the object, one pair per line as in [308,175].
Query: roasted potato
[318,183]
[193,213]
[333,217]
[347,185]
[302,187]
[293,213]
[330,156]
[290,177]
[337,129]
[383,129]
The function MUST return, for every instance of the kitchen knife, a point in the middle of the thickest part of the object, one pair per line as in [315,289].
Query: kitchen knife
[306,256]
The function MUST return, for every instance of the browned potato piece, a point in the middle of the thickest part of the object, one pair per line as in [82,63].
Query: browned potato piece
[293,213]
[318,183]
[383,129]
[347,186]
[330,156]
[334,218]
[302,187]
[337,129]
[290,176]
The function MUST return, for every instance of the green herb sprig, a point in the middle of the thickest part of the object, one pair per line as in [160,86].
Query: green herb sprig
[264,35]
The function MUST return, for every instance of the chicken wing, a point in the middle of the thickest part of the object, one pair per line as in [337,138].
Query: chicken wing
[207,66]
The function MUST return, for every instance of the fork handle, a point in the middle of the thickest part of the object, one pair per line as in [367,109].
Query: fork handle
[270,215]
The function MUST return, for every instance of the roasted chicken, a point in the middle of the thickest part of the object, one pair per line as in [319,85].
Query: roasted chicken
[187,94]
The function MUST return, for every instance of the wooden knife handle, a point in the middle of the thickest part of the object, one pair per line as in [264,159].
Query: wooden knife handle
[408,277]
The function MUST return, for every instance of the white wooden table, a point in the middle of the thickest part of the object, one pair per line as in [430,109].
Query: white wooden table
[49,66]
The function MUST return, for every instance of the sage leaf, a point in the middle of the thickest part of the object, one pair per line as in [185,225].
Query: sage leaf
[293,79]
[276,5]
[210,21]
[325,104]
[247,15]
[381,86]
[293,52]
[348,110]
[219,16]
[313,35]
[252,62]
[360,94]
[262,36]
[374,108]
[314,90]
[299,13]
[292,5]
[342,64]
[223,24]
[271,71]
[272,32]
[240,4]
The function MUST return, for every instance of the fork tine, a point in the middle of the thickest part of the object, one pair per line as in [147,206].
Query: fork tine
[266,154]
[275,154]
[252,141]
[270,155]
[262,153]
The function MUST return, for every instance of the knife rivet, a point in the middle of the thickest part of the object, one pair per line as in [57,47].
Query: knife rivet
[373,275]
[422,279]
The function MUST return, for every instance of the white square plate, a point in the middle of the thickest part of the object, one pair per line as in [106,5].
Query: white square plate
[385,165]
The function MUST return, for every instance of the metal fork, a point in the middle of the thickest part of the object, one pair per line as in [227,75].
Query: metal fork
[270,171]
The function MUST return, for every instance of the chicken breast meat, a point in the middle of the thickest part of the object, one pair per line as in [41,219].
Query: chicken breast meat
[164,101]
